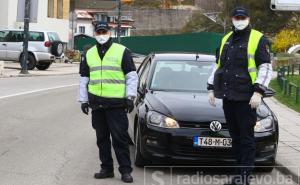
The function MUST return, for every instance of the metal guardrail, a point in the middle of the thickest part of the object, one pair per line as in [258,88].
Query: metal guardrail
[289,88]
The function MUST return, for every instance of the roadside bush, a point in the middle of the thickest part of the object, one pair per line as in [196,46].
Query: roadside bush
[285,39]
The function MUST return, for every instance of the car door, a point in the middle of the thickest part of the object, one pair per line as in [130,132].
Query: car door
[3,44]
[14,45]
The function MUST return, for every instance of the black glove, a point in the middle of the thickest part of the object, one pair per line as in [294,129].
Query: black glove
[85,108]
[129,105]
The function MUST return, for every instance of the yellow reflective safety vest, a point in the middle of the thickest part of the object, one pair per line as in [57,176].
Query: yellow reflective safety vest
[254,39]
[106,76]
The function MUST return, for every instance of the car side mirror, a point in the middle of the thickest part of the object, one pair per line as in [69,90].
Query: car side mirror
[269,93]
[142,90]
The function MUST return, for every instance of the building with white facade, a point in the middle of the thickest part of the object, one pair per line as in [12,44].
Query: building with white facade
[85,19]
[53,15]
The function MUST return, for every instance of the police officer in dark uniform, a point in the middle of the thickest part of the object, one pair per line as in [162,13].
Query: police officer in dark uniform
[240,77]
[108,85]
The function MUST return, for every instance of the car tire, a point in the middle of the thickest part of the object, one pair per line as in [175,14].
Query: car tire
[43,65]
[139,161]
[267,168]
[31,62]
[57,48]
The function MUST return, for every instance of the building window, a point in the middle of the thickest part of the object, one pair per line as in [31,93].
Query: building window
[51,8]
[123,32]
[103,17]
[82,29]
[97,17]
[60,9]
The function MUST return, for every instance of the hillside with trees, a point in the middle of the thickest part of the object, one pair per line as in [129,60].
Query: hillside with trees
[262,17]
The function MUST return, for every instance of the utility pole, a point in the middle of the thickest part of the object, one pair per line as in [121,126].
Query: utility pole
[226,15]
[24,69]
[119,21]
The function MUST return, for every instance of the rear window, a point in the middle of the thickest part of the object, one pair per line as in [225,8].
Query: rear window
[53,36]
[36,36]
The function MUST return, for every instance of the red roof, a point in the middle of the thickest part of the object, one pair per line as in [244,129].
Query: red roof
[81,14]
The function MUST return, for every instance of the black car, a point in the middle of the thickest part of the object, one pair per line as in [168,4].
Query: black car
[173,120]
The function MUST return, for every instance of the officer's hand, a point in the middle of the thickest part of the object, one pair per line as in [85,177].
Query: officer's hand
[211,98]
[255,100]
[129,105]
[85,108]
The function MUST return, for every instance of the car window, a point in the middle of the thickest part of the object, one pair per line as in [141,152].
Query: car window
[144,74]
[36,36]
[3,34]
[181,75]
[53,36]
[14,36]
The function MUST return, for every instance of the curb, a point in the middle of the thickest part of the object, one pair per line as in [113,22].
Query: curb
[280,166]
[286,171]
[32,75]
[283,105]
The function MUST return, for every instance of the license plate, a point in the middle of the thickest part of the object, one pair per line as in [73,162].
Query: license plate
[212,142]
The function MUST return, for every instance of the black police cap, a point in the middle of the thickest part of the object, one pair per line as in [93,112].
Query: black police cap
[101,26]
[240,11]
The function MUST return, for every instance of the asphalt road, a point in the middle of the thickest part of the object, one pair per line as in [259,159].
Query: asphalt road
[46,140]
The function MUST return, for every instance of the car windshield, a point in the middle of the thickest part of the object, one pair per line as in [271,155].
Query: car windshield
[181,76]
[53,36]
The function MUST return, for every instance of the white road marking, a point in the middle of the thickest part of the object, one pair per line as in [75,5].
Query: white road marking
[38,90]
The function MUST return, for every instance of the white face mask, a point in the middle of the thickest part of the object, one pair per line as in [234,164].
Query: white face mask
[102,39]
[241,24]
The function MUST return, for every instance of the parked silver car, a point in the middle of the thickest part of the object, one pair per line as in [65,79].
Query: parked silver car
[44,47]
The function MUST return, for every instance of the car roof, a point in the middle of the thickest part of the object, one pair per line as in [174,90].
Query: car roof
[184,56]
[23,30]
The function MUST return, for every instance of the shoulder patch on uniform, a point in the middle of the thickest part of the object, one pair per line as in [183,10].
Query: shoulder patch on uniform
[267,48]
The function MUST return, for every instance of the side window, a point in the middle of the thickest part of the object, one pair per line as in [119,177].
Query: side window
[144,75]
[14,36]
[3,34]
[36,36]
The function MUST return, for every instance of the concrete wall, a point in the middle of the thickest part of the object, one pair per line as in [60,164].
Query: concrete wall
[8,19]
[149,20]
[209,5]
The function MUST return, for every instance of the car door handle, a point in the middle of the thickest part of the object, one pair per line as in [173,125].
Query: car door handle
[4,45]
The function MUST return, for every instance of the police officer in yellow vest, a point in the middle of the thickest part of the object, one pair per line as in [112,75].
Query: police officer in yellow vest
[240,77]
[108,85]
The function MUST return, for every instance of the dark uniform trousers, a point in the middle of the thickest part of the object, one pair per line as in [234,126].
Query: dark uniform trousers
[241,119]
[114,123]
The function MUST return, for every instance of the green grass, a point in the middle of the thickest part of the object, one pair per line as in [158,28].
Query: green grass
[289,101]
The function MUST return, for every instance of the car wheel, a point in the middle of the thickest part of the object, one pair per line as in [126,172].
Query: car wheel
[57,48]
[31,62]
[139,161]
[43,65]
[267,168]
